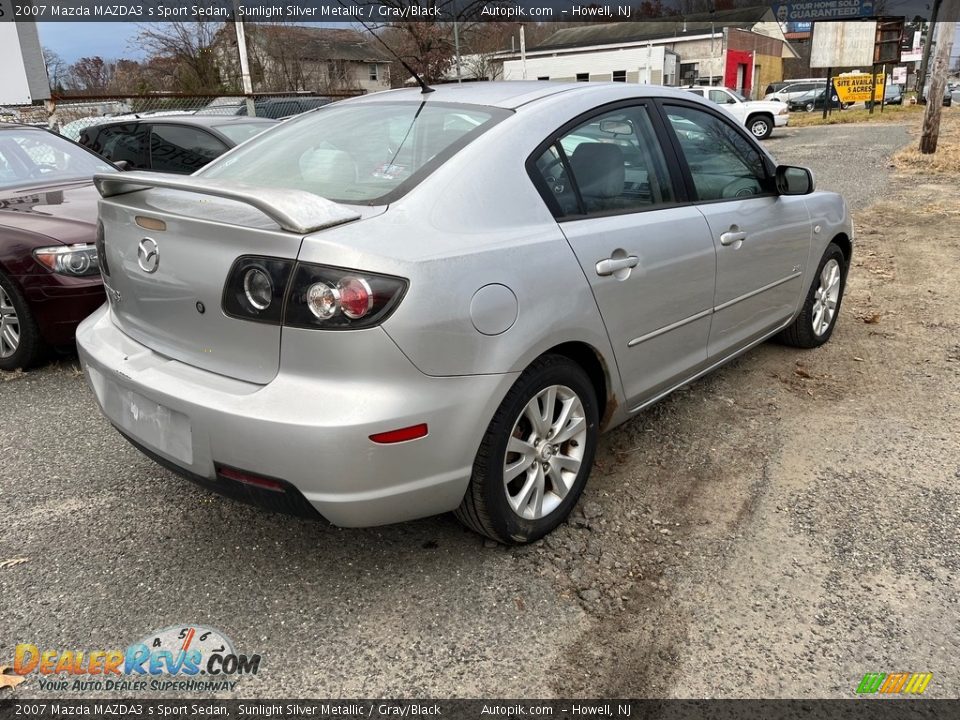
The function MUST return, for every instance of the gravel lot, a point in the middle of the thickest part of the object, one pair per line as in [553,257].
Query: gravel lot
[776,529]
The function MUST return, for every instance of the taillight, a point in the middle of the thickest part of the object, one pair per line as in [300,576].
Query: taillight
[256,287]
[100,243]
[309,296]
[333,298]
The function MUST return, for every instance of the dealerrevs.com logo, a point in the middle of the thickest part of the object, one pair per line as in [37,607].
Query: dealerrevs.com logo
[186,658]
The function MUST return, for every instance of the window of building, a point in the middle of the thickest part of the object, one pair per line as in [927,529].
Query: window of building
[619,75]
[374,72]
[583,77]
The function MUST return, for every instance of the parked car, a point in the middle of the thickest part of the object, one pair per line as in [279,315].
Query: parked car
[463,306]
[181,144]
[275,107]
[947,95]
[49,280]
[892,95]
[758,116]
[814,100]
[795,90]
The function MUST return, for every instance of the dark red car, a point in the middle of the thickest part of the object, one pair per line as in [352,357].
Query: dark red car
[49,279]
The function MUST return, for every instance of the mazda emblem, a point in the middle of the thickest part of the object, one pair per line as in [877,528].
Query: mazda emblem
[148,255]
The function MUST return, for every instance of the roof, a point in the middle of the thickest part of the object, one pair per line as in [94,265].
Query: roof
[324,43]
[679,27]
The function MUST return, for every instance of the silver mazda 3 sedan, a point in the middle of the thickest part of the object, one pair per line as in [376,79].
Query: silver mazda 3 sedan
[406,304]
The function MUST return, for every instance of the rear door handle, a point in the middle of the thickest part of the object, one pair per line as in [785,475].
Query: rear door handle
[611,265]
[729,238]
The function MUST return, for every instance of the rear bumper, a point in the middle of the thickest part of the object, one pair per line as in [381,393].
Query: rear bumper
[309,431]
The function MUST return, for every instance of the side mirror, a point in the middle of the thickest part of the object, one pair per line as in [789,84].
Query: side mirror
[122,164]
[792,180]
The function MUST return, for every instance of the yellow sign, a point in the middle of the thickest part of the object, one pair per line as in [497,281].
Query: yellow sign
[856,88]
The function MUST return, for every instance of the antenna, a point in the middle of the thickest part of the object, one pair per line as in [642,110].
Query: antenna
[424,88]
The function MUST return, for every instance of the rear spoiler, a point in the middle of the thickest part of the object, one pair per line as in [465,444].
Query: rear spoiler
[296,211]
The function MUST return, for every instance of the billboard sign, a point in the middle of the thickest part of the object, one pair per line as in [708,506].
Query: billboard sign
[842,44]
[818,10]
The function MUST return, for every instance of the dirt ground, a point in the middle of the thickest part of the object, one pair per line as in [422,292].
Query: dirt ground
[792,521]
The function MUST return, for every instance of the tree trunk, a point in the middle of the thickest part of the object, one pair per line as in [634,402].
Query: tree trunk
[938,79]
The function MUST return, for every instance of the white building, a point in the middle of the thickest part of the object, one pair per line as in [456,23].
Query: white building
[639,63]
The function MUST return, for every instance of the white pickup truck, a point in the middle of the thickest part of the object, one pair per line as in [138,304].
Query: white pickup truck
[760,117]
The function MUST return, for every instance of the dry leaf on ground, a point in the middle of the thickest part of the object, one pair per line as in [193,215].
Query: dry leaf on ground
[10,563]
[10,681]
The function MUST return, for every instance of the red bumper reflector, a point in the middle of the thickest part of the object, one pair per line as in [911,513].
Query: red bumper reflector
[402,435]
[249,479]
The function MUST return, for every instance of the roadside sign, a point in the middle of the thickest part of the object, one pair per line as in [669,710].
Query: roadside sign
[900,75]
[856,88]
[843,44]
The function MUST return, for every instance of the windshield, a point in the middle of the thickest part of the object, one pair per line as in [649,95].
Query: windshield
[240,132]
[32,157]
[737,95]
[364,153]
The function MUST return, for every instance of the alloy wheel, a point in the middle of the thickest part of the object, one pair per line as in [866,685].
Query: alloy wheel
[9,326]
[545,452]
[759,128]
[826,296]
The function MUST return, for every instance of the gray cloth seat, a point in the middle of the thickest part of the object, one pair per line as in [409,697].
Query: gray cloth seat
[599,171]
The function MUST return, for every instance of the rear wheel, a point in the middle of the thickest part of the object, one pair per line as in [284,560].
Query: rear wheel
[20,343]
[536,455]
[761,126]
[814,325]
[808,107]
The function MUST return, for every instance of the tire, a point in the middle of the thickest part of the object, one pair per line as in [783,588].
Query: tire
[808,107]
[21,346]
[506,511]
[809,329]
[760,126]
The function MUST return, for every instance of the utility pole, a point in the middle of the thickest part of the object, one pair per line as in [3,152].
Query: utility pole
[244,62]
[925,60]
[456,46]
[938,81]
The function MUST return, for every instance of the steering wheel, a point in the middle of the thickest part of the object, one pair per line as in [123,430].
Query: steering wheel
[741,187]
[553,180]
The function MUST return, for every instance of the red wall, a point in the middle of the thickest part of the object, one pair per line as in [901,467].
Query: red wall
[734,58]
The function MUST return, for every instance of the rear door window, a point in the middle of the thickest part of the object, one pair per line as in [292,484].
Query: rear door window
[182,149]
[611,163]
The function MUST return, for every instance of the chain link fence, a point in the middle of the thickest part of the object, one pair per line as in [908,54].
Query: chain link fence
[71,115]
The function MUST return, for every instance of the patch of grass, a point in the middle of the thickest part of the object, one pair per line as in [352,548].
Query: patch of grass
[892,113]
[945,161]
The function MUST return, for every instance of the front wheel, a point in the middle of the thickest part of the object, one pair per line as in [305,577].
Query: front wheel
[20,343]
[761,127]
[818,316]
[536,455]
[808,107]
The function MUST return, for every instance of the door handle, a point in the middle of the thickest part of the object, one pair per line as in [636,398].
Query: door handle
[611,265]
[729,238]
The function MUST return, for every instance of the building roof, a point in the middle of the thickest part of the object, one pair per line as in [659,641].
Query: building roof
[629,32]
[318,44]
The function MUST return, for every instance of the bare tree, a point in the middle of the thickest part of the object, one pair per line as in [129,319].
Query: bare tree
[92,75]
[56,70]
[191,45]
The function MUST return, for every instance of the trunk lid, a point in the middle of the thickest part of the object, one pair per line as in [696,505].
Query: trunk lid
[166,285]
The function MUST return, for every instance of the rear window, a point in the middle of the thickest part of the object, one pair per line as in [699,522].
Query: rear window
[241,132]
[364,153]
